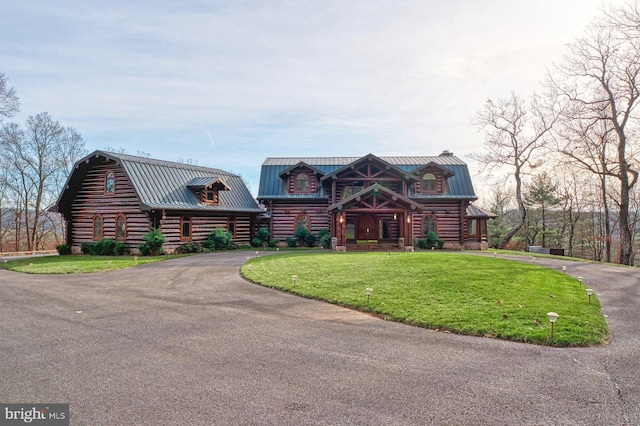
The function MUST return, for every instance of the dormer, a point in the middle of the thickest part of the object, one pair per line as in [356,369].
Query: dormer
[301,178]
[206,189]
[432,179]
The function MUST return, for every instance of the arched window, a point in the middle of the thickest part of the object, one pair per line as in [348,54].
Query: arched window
[347,192]
[302,220]
[98,228]
[185,228]
[109,183]
[429,224]
[302,183]
[428,182]
[121,227]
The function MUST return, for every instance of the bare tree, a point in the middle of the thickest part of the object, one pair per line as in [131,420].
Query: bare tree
[9,102]
[39,158]
[598,81]
[514,132]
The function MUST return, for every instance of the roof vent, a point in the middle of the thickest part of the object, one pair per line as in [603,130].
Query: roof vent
[446,153]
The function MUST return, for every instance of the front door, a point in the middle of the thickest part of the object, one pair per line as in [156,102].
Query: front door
[367,227]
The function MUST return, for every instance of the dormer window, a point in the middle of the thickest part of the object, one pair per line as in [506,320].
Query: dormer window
[211,196]
[207,189]
[429,182]
[302,183]
[109,183]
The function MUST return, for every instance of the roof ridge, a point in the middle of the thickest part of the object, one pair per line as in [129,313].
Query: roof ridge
[164,163]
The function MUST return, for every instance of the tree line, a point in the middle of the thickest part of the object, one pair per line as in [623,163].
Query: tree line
[570,153]
[35,160]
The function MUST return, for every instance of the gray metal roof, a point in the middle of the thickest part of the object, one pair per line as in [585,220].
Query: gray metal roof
[164,185]
[271,184]
[479,212]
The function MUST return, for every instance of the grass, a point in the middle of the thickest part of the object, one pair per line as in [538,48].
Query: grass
[77,263]
[464,294]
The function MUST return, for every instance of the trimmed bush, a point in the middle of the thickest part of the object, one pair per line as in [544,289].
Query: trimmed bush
[292,242]
[120,249]
[219,239]
[256,242]
[273,242]
[310,239]
[263,235]
[324,236]
[153,241]
[190,247]
[63,249]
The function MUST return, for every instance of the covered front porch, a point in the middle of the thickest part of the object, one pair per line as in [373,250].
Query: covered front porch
[373,219]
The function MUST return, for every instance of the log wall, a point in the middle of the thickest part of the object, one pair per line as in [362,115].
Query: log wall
[92,200]
[284,214]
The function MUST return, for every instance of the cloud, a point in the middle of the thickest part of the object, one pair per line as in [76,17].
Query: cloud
[283,77]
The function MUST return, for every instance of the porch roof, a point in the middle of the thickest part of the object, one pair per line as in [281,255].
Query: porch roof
[377,188]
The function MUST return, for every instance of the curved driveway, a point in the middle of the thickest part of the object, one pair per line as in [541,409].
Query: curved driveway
[188,341]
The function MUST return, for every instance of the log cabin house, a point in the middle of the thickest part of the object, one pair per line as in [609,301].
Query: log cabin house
[123,197]
[373,202]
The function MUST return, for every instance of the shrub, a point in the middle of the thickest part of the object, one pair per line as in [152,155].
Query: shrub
[153,241]
[120,248]
[256,242]
[63,249]
[310,239]
[432,241]
[85,248]
[190,247]
[291,242]
[219,239]
[324,236]
[301,234]
[273,242]
[263,235]
[104,247]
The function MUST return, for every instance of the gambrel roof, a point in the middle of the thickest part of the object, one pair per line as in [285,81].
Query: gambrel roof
[459,183]
[164,185]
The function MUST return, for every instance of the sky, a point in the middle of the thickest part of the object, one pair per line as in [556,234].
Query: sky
[226,84]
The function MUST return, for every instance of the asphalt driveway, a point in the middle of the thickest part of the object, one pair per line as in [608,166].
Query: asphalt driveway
[189,342]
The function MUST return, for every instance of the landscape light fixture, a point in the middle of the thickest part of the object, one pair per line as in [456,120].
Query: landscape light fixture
[564,269]
[589,293]
[294,278]
[369,290]
[553,317]
[580,279]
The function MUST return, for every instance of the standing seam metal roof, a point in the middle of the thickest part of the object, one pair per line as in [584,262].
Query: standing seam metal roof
[460,184]
[163,184]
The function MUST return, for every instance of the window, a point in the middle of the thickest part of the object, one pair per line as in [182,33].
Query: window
[121,227]
[347,192]
[302,183]
[429,224]
[231,226]
[428,182]
[185,228]
[109,183]
[472,225]
[211,196]
[98,227]
[304,221]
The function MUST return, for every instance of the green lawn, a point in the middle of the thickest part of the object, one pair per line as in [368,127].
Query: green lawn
[76,264]
[460,293]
